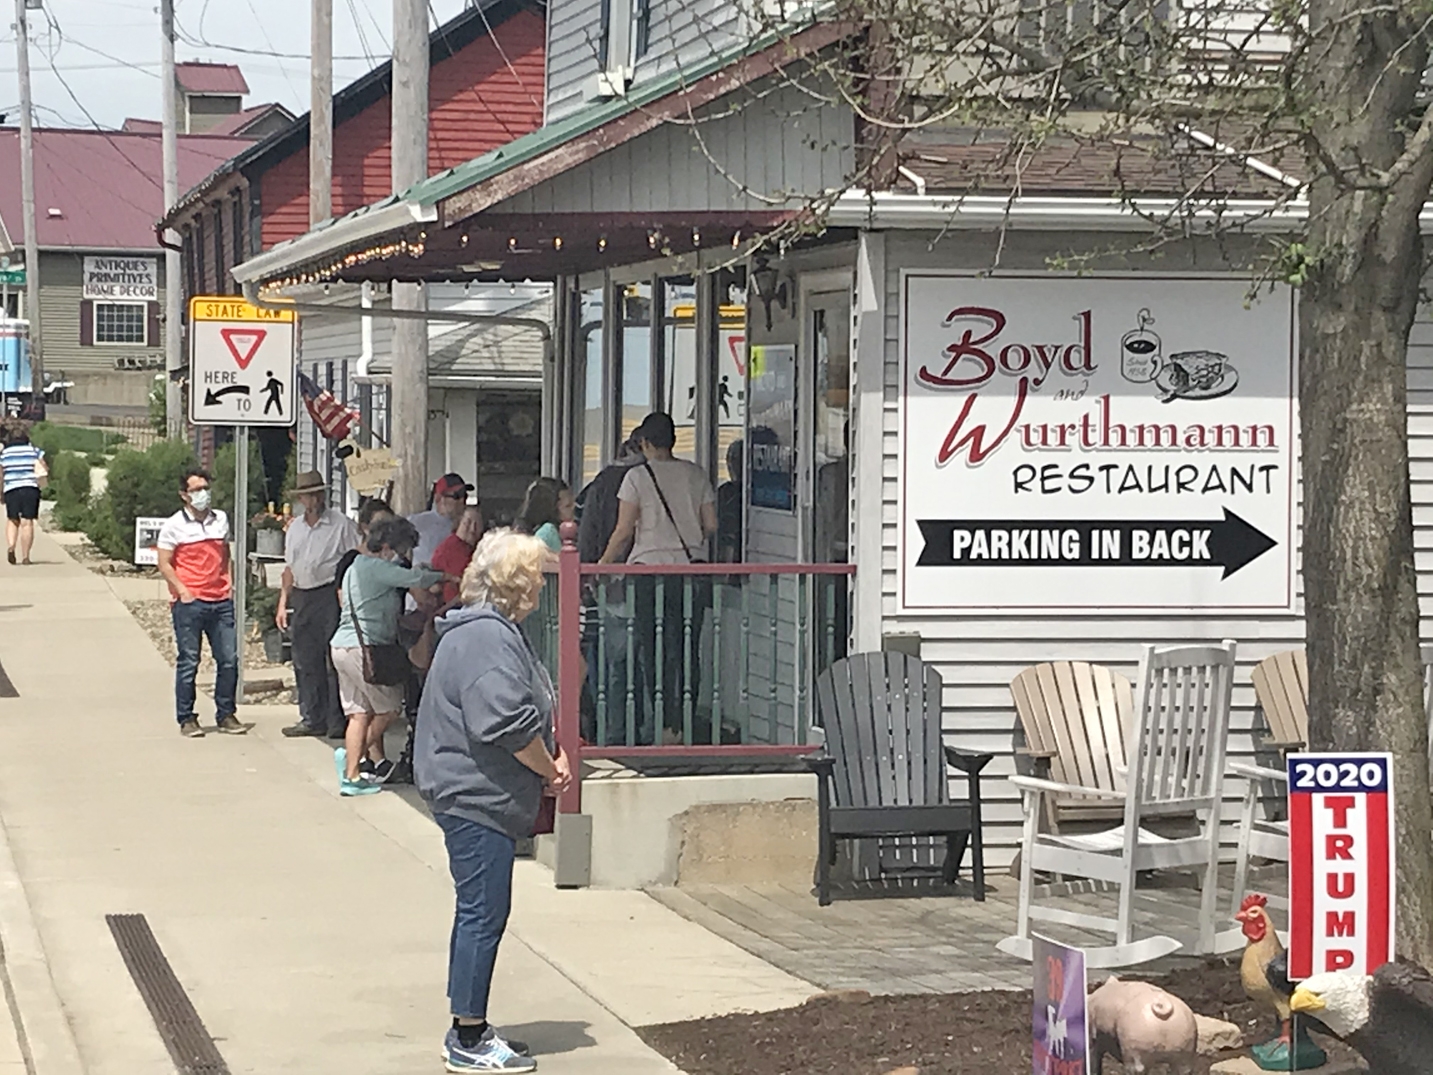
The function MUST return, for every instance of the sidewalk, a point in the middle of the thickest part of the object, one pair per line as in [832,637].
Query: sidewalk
[310,932]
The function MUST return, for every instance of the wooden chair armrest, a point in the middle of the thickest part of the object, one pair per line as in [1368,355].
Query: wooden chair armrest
[1270,743]
[967,761]
[823,765]
[1257,772]
[1042,754]
[1031,783]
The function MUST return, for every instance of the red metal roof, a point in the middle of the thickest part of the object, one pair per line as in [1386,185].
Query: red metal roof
[239,122]
[106,185]
[222,78]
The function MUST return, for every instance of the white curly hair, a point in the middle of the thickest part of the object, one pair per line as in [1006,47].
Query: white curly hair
[506,571]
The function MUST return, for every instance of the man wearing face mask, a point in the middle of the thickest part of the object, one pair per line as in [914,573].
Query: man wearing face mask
[194,560]
[316,540]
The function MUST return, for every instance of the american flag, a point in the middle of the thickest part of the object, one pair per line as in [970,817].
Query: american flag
[333,419]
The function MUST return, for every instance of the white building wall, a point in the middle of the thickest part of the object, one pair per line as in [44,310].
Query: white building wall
[979,655]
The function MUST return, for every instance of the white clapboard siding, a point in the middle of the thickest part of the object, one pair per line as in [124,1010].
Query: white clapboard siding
[979,655]
[681,32]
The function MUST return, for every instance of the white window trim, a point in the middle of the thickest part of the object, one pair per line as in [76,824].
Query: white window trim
[95,324]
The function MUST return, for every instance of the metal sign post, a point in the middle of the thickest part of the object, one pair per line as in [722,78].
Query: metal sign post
[241,547]
[241,373]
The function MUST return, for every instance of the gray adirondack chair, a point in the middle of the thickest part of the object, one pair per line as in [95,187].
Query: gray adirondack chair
[884,772]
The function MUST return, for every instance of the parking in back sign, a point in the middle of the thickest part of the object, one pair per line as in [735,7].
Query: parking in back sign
[1341,863]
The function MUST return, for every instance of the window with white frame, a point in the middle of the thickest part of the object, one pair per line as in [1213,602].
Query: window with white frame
[121,322]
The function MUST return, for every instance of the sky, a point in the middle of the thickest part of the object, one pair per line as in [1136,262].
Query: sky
[95,62]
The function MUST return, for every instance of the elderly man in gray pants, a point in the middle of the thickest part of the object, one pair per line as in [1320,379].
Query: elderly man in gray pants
[316,540]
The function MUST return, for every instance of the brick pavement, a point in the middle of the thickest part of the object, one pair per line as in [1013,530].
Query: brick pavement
[937,944]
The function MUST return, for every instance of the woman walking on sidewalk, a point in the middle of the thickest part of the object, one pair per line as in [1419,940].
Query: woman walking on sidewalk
[22,465]
[371,596]
[484,751]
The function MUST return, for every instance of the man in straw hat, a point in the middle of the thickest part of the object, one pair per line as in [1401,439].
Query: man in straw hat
[308,602]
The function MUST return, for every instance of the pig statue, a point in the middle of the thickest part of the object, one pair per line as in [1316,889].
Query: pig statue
[1140,1024]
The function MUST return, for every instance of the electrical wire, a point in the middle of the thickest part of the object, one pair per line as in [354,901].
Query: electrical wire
[362,37]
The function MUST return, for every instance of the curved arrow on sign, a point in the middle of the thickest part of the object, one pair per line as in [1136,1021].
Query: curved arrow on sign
[212,397]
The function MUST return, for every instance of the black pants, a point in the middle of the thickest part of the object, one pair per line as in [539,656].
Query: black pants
[313,618]
[677,676]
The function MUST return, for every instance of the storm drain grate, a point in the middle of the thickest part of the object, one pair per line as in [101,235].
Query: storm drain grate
[7,689]
[178,1023]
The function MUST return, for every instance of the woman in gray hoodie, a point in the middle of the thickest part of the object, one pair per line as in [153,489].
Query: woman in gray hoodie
[483,751]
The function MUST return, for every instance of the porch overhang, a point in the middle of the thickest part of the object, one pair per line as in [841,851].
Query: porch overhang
[444,228]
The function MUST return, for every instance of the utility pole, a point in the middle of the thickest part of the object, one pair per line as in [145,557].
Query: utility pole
[410,336]
[320,126]
[27,201]
[173,270]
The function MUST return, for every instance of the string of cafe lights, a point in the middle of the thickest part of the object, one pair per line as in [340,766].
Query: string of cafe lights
[416,249]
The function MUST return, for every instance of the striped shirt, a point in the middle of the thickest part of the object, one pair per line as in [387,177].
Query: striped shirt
[18,461]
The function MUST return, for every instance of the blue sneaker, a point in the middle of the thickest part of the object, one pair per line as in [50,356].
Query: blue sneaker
[348,788]
[492,1053]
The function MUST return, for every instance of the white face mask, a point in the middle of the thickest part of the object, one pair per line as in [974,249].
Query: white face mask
[199,500]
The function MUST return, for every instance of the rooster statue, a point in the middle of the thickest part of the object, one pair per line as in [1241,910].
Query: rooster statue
[1386,1016]
[1264,971]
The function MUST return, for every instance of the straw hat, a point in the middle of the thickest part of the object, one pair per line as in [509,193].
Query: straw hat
[310,481]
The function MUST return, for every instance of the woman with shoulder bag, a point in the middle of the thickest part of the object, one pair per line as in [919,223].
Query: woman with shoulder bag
[666,515]
[483,755]
[372,667]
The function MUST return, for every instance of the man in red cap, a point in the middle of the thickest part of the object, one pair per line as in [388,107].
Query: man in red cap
[436,525]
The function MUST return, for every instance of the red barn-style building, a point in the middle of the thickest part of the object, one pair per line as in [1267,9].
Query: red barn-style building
[485,89]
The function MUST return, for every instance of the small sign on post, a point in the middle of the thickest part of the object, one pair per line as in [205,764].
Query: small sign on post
[1061,1038]
[146,540]
[1341,863]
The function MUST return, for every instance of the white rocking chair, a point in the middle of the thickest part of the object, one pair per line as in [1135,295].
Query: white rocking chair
[1176,769]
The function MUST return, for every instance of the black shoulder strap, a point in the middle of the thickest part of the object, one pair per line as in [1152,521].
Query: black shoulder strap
[663,497]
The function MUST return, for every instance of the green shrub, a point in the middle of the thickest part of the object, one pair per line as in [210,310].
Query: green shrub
[223,483]
[97,459]
[70,482]
[159,404]
[139,483]
[53,439]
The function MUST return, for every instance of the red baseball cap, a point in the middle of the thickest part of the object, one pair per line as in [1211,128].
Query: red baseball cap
[449,484]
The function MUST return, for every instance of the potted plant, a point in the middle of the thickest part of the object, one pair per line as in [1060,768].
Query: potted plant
[261,603]
[268,533]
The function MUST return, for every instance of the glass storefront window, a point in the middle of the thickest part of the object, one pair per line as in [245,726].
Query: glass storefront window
[589,345]
[679,338]
[831,342]
[731,374]
[636,355]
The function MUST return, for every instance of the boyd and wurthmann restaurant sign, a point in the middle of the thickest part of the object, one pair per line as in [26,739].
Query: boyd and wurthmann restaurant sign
[1096,444]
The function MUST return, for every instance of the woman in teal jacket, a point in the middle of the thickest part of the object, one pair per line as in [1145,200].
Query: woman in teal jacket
[370,600]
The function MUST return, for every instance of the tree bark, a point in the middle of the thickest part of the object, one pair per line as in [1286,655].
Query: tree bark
[1356,310]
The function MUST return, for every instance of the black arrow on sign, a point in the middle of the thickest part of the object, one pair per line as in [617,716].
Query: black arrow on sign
[1229,543]
[212,397]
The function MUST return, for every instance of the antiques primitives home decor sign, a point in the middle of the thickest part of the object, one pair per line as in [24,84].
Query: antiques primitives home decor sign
[1099,443]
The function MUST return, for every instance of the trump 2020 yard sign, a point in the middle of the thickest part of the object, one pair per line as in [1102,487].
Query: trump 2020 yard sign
[1341,863]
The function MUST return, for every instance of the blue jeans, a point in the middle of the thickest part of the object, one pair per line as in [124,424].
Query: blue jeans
[192,623]
[481,861]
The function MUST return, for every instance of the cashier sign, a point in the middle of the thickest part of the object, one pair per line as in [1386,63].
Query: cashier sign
[1341,863]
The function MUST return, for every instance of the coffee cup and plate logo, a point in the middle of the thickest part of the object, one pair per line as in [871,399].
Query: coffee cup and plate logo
[1193,375]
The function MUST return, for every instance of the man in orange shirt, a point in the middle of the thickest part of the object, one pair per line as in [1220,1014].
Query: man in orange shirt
[194,560]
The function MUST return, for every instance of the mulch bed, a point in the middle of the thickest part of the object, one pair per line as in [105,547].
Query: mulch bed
[985,1032]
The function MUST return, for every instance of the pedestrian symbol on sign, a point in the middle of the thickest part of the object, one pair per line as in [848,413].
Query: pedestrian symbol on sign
[275,388]
[243,343]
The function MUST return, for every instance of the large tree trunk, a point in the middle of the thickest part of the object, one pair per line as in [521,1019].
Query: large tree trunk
[1365,677]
